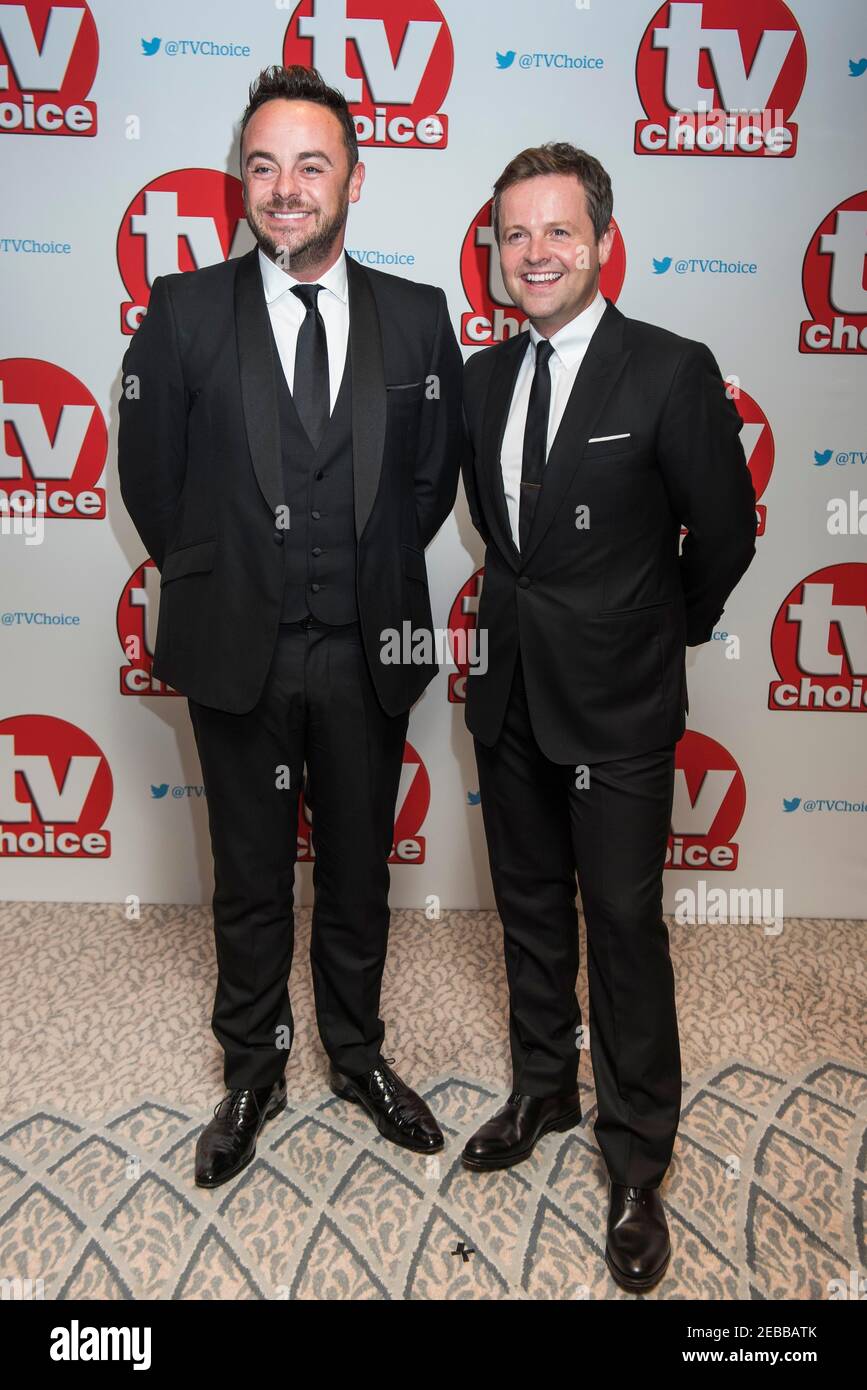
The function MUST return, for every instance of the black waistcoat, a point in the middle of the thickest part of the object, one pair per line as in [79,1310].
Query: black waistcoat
[319,543]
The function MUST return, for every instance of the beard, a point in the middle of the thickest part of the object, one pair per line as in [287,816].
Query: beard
[315,245]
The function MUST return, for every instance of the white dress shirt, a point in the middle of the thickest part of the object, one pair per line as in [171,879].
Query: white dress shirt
[287,315]
[569,344]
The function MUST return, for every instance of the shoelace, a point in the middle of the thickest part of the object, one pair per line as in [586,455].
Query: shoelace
[232,1101]
[380,1074]
[411,1110]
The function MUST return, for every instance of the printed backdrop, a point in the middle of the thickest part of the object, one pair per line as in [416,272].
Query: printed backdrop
[733,131]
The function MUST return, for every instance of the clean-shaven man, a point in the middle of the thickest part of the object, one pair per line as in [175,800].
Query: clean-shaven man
[289,446]
[591,439]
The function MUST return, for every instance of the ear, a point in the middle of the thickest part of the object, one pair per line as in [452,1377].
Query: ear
[606,243]
[356,179]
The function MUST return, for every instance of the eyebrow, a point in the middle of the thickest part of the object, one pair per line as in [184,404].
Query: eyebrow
[305,154]
[549,226]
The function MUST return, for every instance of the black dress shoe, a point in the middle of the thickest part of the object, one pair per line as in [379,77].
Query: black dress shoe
[228,1143]
[638,1248]
[511,1135]
[400,1114]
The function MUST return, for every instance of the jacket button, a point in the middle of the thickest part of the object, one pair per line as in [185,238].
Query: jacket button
[524,581]
[316,515]
[277,537]
[317,550]
[319,475]
[315,588]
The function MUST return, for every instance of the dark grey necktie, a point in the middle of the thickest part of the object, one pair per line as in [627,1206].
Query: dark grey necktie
[311,391]
[535,441]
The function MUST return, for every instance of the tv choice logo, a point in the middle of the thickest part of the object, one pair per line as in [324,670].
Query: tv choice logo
[55,790]
[833,281]
[708,805]
[719,77]
[392,59]
[413,802]
[53,443]
[137,619]
[819,642]
[494,316]
[463,620]
[49,53]
[182,220]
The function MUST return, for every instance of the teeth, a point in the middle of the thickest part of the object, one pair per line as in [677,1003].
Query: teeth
[540,279]
[286,216]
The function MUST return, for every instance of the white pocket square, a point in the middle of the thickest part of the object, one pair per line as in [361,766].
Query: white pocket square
[603,438]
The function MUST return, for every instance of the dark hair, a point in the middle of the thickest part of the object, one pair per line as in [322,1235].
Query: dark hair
[298,83]
[560,158]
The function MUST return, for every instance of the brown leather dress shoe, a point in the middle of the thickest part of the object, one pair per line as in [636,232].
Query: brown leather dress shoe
[228,1143]
[399,1114]
[511,1135]
[638,1248]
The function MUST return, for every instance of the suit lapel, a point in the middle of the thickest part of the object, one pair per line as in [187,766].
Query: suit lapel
[601,365]
[500,388]
[259,395]
[256,370]
[368,391]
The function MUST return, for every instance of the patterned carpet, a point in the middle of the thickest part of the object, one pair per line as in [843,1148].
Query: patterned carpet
[110,1071]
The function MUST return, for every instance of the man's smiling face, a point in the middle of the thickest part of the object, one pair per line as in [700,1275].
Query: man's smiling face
[297,184]
[549,254]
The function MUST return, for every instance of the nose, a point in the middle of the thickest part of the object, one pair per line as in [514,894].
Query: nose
[285,185]
[536,251]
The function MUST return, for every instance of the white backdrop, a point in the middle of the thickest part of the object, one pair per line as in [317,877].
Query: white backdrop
[118,135]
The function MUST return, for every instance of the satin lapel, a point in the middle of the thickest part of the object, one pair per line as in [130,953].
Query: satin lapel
[502,383]
[368,391]
[256,369]
[602,364]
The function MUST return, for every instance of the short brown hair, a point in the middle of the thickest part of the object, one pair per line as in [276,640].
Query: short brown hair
[297,83]
[559,157]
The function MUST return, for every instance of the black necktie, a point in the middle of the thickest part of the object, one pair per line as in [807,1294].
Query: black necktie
[535,441]
[311,391]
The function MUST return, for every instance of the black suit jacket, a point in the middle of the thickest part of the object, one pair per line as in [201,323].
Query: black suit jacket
[201,477]
[603,614]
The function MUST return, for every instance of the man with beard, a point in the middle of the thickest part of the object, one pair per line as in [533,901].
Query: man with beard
[288,446]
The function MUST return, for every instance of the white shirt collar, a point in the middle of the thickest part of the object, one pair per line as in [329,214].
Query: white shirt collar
[277,281]
[570,341]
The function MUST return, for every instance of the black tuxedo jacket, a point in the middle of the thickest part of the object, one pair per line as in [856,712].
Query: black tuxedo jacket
[603,614]
[201,476]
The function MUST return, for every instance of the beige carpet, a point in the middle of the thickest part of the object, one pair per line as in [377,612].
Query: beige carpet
[110,1070]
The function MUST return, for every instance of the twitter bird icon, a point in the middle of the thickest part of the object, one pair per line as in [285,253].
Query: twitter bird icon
[660,267]
[150,46]
[157,792]
[822,456]
[505,60]
[791,803]
[473,798]
[857,66]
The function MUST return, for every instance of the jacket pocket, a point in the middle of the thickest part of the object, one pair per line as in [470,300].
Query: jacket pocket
[196,558]
[413,563]
[404,392]
[642,608]
[607,448]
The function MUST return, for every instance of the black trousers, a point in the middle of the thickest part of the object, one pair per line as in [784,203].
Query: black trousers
[540,829]
[318,710]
